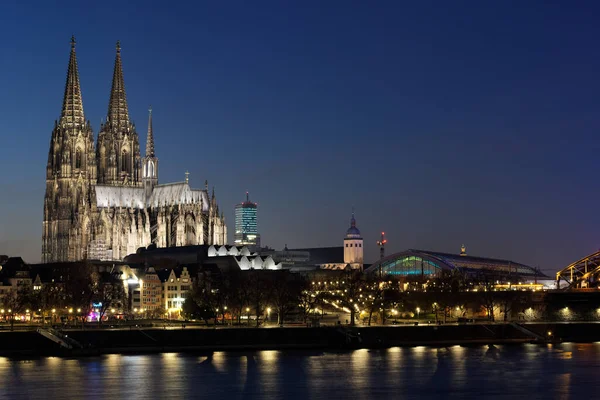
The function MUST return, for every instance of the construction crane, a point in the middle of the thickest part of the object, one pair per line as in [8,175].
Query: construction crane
[381,243]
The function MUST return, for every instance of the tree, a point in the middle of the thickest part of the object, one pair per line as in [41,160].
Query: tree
[308,300]
[189,308]
[513,300]
[16,301]
[489,298]
[238,293]
[377,295]
[351,288]
[259,291]
[446,291]
[285,293]
[80,290]
[108,292]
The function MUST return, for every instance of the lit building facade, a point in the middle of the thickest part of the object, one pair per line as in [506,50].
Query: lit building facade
[103,199]
[353,245]
[175,290]
[151,291]
[353,250]
[246,224]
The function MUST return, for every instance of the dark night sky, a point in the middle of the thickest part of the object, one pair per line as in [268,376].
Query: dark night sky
[440,122]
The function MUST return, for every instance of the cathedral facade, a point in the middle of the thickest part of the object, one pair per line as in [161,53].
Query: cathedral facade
[103,200]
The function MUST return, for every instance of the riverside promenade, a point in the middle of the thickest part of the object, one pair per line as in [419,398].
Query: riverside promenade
[133,339]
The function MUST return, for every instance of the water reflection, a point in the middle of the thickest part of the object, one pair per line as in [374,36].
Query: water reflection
[553,372]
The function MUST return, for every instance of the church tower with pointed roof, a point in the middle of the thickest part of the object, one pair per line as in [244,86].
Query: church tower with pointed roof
[150,168]
[104,202]
[353,245]
[70,176]
[118,152]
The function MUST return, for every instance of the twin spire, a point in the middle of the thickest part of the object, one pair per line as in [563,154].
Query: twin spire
[118,113]
[72,108]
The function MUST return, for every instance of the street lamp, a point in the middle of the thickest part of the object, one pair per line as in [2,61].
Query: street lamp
[418,312]
[269,314]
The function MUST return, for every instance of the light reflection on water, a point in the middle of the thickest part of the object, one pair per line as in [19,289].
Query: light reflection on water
[528,371]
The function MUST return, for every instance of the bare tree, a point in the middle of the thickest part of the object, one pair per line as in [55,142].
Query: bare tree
[260,286]
[285,293]
[348,297]
[108,292]
[16,301]
[80,290]
[238,293]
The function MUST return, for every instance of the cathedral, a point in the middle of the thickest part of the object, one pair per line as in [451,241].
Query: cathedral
[103,200]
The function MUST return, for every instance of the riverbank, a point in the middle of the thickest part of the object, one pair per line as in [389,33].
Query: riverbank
[156,340]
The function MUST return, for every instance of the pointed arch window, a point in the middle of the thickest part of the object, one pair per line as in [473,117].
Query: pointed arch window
[78,158]
[102,158]
[125,161]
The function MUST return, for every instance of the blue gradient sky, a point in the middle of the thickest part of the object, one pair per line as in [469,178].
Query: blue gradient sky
[440,122]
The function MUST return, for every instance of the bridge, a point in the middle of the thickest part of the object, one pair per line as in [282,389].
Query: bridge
[582,274]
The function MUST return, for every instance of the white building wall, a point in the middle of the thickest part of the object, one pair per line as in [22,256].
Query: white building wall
[353,251]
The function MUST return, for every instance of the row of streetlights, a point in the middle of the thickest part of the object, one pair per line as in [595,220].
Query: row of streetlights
[27,311]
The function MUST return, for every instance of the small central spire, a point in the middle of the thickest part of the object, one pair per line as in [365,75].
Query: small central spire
[150,137]
[187,177]
[118,112]
[352,220]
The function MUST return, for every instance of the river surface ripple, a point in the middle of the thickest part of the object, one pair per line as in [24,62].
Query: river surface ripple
[566,371]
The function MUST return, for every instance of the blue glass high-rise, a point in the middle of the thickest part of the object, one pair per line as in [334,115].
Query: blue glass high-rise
[246,224]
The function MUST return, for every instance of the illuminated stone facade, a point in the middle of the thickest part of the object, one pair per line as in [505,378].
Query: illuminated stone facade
[353,246]
[104,202]
[353,250]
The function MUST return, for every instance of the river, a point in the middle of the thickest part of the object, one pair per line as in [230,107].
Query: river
[566,371]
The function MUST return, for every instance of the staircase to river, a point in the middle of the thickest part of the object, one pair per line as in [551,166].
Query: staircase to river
[59,338]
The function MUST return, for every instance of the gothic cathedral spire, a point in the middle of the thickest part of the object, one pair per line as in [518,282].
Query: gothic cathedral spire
[150,137]
[72,108]
[118,113]
[70,176]
[150,173]
[118,151]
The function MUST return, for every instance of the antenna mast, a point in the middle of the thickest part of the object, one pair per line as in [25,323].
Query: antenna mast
[381,243]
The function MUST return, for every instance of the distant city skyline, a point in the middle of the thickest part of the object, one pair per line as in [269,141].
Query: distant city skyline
[442,124]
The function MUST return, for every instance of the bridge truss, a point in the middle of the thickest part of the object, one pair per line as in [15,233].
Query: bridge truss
[581,274]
